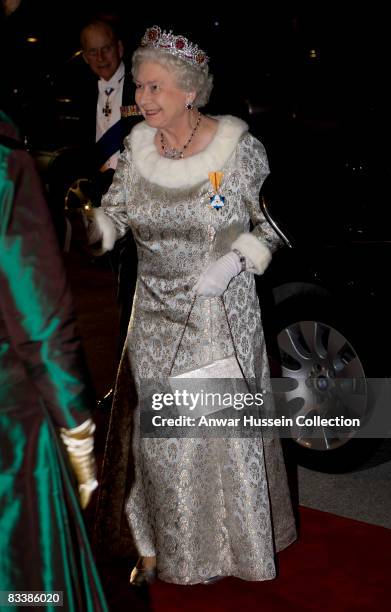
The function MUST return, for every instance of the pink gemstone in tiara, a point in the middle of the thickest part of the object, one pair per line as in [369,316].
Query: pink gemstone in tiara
[176,45]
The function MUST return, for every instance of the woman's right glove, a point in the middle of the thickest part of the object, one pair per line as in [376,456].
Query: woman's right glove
[93,231]
[79,443]
[100,228]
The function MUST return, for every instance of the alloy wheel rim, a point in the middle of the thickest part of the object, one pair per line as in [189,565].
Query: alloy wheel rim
[322,375]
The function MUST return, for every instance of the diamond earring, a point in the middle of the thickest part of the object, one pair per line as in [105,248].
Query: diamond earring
[189,106]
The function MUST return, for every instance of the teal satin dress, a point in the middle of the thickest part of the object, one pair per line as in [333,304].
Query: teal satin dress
[43,541]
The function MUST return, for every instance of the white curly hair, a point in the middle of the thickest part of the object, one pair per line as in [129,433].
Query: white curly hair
[188,77]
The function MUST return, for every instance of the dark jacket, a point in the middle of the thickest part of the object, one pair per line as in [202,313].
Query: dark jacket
[88,104]
[124,256]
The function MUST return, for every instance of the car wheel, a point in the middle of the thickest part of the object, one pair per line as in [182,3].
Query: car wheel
[324,365]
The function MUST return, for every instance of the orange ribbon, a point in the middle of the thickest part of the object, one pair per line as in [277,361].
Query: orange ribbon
[215,180]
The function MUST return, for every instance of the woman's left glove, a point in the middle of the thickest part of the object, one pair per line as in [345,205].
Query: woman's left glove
[79,443]
[217,276]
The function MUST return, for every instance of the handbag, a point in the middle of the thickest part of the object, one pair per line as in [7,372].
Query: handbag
[221,380]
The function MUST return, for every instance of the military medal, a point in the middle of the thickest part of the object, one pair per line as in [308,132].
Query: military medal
[217,200]
[130,111]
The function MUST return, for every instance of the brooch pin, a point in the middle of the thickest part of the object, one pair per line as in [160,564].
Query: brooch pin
[217,200]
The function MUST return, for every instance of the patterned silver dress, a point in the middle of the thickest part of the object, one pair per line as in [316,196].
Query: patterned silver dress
[206,506]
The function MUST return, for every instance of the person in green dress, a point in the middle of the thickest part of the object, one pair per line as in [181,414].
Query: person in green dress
[46,430]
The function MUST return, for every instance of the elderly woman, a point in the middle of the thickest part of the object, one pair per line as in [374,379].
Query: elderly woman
[187,185]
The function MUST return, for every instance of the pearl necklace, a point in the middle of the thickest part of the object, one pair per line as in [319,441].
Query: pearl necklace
[172,153]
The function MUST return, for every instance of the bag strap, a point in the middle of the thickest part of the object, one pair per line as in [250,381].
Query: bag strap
[182,334]
[232,339]
[185,326]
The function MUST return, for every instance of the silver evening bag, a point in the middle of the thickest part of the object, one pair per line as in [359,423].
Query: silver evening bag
[210,385]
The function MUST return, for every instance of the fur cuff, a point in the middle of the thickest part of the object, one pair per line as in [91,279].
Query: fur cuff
[106,228]
[255,250]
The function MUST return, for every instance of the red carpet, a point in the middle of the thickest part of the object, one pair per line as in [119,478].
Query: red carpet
[336,565]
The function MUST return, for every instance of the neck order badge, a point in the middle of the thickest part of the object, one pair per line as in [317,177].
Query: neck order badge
[107,107]
[217,200]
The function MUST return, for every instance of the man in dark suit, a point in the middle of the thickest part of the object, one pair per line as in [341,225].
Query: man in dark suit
[108,110]
[108,113]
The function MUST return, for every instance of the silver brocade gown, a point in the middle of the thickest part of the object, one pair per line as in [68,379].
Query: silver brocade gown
[205,507]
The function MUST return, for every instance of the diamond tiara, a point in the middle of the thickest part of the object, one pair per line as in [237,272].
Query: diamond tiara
[176,45]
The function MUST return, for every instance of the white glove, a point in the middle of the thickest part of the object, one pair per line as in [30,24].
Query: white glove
[217,276]
[79,443]
[99,228]
[94,232]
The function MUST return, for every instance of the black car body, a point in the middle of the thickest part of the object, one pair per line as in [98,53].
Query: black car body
[330,302]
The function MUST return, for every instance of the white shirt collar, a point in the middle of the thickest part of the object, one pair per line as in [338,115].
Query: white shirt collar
[115,79]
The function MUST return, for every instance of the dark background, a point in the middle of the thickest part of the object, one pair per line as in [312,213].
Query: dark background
[318,59]
[308,77]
